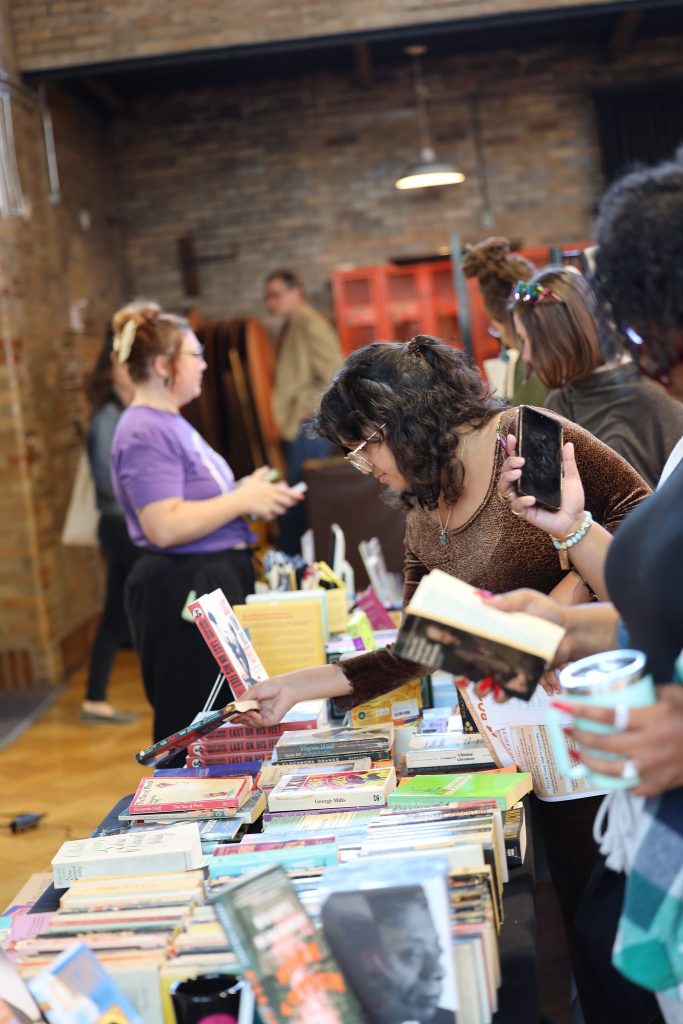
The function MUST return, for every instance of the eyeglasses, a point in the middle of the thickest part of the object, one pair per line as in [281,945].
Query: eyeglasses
[197,353]
[525,291]
[358,460]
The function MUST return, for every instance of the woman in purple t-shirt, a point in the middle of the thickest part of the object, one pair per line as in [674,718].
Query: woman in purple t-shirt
[183,506]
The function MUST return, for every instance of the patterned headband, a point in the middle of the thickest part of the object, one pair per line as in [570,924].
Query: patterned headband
[527,292]
[123,341]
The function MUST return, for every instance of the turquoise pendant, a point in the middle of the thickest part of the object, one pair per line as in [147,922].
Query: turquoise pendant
[444,536]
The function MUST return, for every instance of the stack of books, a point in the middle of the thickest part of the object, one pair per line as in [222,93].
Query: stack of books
[334,744]
[445,752]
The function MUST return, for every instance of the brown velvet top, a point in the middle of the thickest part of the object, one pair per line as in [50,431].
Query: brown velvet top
[495,550]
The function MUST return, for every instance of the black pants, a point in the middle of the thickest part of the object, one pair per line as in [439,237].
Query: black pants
[120,555]
[293,523]
[178,670]
[567,830]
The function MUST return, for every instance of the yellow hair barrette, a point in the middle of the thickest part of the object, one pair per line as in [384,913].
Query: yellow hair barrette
[123,341]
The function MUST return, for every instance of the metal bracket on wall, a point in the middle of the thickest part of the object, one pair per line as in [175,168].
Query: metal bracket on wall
[189,262]
[461,290]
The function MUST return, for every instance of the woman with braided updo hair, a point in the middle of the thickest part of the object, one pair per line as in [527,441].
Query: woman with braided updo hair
[418,417]
[497,270]
[183,507]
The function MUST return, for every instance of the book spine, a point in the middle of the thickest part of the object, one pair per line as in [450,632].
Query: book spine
[257,747]
[439,769]
[513,851]
[210,771]
[330,751]
[209,760]
[233,679]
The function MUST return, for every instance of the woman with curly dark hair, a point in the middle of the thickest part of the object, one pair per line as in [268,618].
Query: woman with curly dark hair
[557,321]
[497,269]
[417,416]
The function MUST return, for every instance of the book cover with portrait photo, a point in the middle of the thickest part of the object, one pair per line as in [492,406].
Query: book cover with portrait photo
[393,941]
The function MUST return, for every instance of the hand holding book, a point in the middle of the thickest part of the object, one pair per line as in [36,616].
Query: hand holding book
[277,695]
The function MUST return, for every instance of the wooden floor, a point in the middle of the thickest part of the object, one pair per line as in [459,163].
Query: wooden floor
[70,771]
[74,773]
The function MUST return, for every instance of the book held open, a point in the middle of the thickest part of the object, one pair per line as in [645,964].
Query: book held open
[448,626]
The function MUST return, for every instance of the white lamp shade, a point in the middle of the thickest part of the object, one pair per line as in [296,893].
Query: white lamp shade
[429,172]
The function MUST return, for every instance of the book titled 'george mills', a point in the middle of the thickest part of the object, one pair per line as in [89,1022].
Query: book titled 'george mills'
[286,960]
[448,626]
[334,790]
[227,641]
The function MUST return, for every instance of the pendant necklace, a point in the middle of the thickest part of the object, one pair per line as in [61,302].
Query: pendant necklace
[443,535]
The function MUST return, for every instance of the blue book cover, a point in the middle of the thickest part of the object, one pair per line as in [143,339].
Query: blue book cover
[210,771]
[76,989]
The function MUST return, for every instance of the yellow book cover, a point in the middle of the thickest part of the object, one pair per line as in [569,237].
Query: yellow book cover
[400,705]
[287,635]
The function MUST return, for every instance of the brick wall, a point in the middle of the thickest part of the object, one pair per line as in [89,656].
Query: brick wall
[300,172]
[48,593]
[64,33]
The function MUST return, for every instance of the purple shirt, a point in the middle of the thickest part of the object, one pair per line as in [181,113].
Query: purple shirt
[157,455]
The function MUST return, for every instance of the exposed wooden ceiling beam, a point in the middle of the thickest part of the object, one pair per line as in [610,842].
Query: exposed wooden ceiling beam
[362,55]
[624,34]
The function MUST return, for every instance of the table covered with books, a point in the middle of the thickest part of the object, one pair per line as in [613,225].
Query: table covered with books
[372,871]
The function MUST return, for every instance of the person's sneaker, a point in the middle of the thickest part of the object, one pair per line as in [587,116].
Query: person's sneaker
[102,718]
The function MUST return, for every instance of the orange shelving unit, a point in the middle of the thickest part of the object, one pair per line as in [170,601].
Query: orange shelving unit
[392,303]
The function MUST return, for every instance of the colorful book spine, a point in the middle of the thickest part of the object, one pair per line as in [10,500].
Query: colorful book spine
[210,771]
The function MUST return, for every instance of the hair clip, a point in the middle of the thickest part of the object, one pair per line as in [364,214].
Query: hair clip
[533,293]
[123,341]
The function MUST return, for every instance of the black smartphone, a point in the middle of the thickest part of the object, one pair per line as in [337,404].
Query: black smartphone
[539,442]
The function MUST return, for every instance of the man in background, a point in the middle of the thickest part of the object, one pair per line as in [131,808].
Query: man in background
[308,355]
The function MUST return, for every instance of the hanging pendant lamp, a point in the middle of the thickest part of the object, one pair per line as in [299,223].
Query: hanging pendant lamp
[429,171]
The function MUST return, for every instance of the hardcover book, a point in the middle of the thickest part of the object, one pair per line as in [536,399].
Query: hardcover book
[285,959]
[159,795]
[227,641]
[177,848]
[76,989]
[506,788]
[448,626]
[336,790]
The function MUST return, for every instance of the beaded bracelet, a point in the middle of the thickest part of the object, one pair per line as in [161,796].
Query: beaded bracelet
[562,544]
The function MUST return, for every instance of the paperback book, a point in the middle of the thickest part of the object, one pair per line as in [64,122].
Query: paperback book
[163,795]
[339,742]
[285,959]
[227,641]
[177,848]
[506,788]
[336,790]
[76,989]
[387,922]
[448,626]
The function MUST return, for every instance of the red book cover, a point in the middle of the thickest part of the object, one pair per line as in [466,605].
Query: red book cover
[251,747]
[227,641]
[159,795]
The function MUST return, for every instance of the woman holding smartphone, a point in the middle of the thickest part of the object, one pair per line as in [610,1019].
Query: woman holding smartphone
[417,417]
